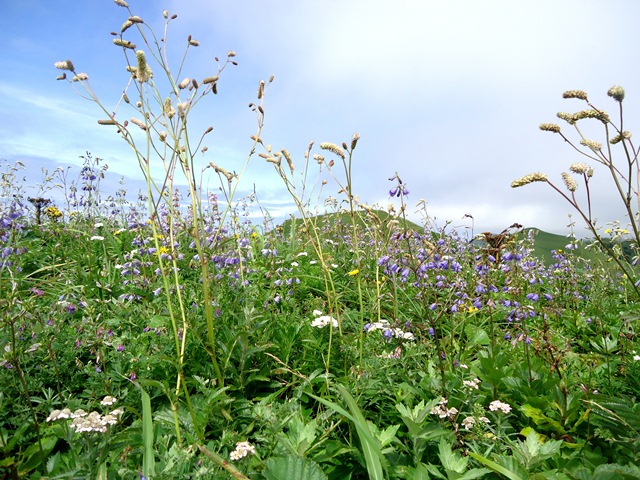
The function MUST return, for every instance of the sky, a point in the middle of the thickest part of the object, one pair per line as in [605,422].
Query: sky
[447,94]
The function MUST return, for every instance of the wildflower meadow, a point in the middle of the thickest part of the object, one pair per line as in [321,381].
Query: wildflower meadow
[167,334]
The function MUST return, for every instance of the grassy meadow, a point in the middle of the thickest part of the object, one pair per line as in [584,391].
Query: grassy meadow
[171,335]
[371,348]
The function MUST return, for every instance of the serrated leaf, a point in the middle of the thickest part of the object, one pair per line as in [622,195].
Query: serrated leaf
[293,467]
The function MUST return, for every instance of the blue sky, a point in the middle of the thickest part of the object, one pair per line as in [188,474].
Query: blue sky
[447,94]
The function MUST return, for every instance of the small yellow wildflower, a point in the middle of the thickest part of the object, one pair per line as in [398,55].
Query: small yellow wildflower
[354,272]
[52,212]
[163,250]
[472,309]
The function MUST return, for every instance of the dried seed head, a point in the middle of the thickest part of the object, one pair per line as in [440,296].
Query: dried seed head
[598,115]
[65,65]
[62,77]
[124,43]
[617,93]
[168,108]
[142,71]
[163,136]
[261,89]
[135,19]
[107,122]
[208,131]
[354,140]
[125,26]
[125,98]
[318,158]
[139,123]
[194,83]
[275,161]
[122,3]
[592,144]
[184,83]
[80,77]
[581,168]
[194,43]
[209,80]
[550,127]
[527,179]
[182,109]
[222,171]
[165,13]
[567,117]
[569,182]
[621,136]
[231,54]
[287,157]
[332,147]
[580,94]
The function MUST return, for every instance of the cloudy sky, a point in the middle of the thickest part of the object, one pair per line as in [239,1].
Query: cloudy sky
[448,94]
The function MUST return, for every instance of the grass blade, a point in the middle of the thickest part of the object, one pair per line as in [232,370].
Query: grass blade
[148,458]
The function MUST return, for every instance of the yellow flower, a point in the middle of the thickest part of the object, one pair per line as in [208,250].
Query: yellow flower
[354,272]
[52,212]
[472,309]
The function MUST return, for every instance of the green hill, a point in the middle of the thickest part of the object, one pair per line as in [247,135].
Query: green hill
[544,242]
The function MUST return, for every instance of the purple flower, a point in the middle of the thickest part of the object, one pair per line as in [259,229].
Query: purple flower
[120,348]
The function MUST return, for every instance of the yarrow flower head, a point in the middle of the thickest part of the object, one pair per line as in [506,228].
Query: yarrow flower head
[442,411]
[323,321]
[498,405]
[242,450]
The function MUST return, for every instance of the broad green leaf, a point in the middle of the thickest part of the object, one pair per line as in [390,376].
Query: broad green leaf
[495,467]
[293,467]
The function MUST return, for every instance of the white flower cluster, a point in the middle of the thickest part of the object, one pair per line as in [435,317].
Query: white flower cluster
[469,422]
[442,411]
[88,422]
[473,384]
[242,450]
[498,405]
[387,332]
[322,321]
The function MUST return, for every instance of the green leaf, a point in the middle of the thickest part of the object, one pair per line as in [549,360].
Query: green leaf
[148,459]
[495,467]
[542,420]
[293,467]
[370,446]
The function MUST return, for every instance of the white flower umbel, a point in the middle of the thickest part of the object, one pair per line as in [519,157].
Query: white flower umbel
[242,450]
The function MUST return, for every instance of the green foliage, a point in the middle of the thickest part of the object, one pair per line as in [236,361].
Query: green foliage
[349,345]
